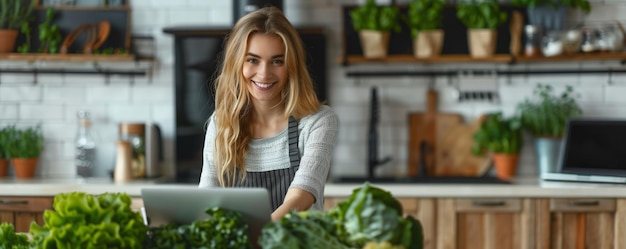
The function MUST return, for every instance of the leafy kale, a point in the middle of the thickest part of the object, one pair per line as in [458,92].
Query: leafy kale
[81,220]
[11,240]
[369,215]
[224,229]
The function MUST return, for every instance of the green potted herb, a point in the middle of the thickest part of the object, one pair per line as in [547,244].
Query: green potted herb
[374,24]
[13,13]
[545,117]
[25,147]
[482,19]
[4,154]
[503,138]
[425,18]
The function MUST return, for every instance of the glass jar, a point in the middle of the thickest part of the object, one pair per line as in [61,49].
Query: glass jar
[134,133]
[588,43]
[532,37]
[552,44]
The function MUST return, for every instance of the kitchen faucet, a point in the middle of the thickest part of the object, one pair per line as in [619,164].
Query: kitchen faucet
[372,139]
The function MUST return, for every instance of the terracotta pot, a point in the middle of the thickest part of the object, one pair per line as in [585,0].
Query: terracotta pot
[25,167]
[4,167]
[482,42]
[7,40]
[374,43]
[506,165]
[428,43]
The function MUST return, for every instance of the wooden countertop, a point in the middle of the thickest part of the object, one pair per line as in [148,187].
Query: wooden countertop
[523,187]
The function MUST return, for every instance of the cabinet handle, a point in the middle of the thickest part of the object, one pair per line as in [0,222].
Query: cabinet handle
[583,203]
[13,202]
[489,203]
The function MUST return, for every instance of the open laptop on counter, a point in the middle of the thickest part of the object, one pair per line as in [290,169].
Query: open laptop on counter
[184,205]
[594,150]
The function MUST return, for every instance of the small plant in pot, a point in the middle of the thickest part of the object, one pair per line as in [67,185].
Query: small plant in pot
[4,155]
[25,147]
[424,18]
[13,13]
[374,24]
[545,117]
[503,138]
[482,19]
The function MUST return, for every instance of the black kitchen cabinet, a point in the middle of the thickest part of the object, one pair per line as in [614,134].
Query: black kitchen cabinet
[197,51]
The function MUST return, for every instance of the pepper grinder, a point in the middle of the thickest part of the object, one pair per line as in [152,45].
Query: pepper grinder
[123,171]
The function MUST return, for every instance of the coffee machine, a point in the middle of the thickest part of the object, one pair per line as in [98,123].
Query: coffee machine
[243,7]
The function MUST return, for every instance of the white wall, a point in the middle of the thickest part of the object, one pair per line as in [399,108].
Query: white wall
[55,99]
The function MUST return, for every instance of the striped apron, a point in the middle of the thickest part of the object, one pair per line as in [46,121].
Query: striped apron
[277,181]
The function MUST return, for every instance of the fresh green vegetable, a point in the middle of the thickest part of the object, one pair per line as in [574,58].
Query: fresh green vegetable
[308,229]
[370,214]
[81,220]
[11,240]
[224,229]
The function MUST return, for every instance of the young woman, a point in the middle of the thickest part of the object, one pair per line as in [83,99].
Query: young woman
[269,129]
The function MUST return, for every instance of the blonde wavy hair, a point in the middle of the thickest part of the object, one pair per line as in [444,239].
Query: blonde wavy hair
[232,109]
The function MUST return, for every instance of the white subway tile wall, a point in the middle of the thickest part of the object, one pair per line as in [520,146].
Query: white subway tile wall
[55,99]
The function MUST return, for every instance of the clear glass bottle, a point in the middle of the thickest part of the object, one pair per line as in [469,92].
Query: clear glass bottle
[85,153]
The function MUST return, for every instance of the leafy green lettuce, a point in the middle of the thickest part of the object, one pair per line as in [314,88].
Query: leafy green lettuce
[80,220]
[11,240]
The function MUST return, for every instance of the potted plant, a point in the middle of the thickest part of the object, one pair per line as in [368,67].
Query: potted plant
[374,24]
[503,138]
[424,18]
[551,14]
[481,19]
[25,147]
[12,14]
[4,155]
[545,117]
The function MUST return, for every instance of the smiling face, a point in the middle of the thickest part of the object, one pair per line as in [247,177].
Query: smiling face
[264,68]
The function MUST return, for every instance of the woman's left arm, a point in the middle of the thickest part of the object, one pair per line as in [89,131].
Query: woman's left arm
[318,137]
[297,199]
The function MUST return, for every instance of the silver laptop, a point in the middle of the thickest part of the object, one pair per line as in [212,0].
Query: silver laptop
[184,205]
[594,150]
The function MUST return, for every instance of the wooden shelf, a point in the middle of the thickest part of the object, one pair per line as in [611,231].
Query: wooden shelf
[66,57]
[596,56]
[74,7]
[359,59]
[499,58]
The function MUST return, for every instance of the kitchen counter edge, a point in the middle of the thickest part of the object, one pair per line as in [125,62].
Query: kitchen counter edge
[524,187]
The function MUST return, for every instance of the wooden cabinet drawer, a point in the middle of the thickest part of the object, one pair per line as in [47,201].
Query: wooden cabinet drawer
[488,205]
[582,205]
[25,204]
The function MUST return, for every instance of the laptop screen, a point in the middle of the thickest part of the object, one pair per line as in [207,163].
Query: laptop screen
[595,147]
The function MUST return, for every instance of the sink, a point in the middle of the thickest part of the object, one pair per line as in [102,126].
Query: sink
[421,180]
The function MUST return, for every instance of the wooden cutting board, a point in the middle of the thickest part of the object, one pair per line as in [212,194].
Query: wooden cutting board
[454,156]
[423,126]
[449,142]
